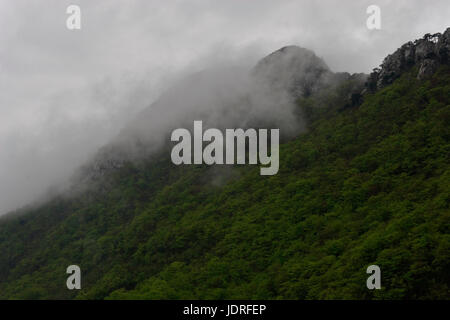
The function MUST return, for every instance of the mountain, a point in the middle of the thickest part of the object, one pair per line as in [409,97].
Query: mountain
[296,69]
[223,97]
[363,180]
[300,72]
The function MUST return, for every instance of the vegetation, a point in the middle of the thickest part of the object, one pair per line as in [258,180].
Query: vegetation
[366,184]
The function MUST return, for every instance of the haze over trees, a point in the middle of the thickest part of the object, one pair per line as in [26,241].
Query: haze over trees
[364,179]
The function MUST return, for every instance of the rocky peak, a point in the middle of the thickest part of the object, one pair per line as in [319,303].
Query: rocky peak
[427,53]
[295,69]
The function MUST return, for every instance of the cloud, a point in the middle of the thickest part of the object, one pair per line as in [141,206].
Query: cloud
[64,94]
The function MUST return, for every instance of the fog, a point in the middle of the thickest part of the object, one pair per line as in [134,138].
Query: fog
[66,93]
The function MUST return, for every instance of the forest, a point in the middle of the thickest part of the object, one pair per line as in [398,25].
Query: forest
[367,184]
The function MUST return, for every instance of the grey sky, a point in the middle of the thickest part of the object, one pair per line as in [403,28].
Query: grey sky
[63,94]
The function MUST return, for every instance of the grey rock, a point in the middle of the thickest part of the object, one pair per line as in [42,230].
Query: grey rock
[427,53]
[427,68]
[409,52]
[443,46]
[425,49]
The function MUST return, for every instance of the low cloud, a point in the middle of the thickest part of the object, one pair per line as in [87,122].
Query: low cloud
[64,94]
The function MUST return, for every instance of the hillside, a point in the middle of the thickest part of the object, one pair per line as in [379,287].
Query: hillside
[367,182]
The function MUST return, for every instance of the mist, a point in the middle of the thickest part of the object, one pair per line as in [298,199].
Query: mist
[66,94]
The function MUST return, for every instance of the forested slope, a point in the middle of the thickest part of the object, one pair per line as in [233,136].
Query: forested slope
[366,184]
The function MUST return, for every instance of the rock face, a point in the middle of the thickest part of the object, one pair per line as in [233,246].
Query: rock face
[427,53]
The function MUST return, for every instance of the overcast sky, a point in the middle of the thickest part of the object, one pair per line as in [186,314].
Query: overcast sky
[64,93]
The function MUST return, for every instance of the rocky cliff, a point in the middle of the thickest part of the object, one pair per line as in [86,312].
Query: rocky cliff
[426,53]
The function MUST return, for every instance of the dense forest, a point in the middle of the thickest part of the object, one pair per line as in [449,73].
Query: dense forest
[367,183]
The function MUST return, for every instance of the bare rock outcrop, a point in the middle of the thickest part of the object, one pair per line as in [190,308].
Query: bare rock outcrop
[427,54]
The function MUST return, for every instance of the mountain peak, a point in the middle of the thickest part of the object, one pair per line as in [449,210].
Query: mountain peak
[297,69]
[295,54]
